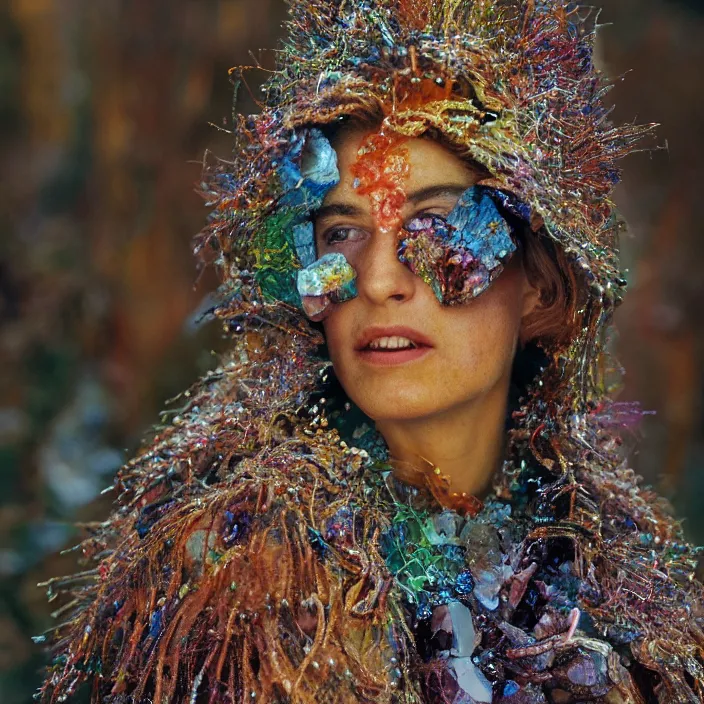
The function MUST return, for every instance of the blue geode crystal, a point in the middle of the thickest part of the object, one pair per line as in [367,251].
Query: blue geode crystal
[480,228]
[306,174]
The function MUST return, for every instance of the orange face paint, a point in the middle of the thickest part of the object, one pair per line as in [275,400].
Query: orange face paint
[380,172]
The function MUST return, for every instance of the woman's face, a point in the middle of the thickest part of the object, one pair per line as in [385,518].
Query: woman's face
[460,353]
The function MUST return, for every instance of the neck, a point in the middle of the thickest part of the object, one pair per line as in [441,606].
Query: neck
[466,443]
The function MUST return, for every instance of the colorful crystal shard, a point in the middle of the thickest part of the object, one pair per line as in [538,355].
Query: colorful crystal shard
[327,281]
[306,174]
[309,170]
[460,256]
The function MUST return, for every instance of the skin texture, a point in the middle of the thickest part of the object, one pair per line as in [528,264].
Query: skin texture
[448,407]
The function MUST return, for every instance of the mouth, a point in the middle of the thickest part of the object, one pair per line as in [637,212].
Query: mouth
[391,343]
[390,346]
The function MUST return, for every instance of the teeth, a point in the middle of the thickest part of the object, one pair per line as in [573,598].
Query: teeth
[392,343]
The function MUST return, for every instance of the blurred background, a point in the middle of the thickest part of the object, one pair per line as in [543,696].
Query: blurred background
[106,110]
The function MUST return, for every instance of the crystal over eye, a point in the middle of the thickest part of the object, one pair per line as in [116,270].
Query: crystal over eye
[458,256]
[432,224]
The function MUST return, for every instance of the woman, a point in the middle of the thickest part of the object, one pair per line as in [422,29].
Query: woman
[404,483]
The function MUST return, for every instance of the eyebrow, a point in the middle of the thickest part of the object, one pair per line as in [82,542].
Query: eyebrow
[453,190]
[344,209]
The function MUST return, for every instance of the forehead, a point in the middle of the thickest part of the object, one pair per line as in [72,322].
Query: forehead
[429,163]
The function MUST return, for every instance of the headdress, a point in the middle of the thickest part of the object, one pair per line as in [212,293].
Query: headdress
[262,550]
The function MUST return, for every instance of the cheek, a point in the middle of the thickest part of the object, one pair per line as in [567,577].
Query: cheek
[338,333]
[480,345]
[479,341]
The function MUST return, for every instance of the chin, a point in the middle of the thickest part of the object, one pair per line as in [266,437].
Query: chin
[398,406]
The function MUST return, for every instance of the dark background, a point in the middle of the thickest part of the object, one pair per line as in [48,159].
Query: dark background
[105,112]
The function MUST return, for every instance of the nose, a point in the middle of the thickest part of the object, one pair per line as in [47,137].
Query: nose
[380,275]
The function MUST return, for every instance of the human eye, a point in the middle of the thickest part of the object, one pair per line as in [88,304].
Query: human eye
[340,235]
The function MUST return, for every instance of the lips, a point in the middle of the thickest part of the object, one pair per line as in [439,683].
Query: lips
[377,333]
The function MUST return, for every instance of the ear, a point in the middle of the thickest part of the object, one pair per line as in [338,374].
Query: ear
[530,306]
